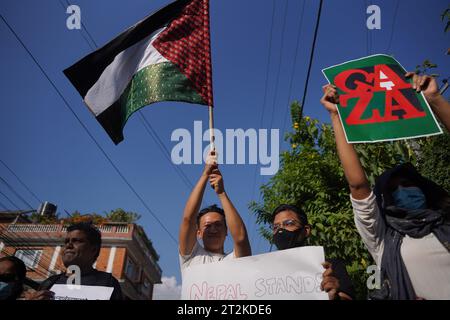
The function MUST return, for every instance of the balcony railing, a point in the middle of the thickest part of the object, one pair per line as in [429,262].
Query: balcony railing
[29,228]
[34,228]
[122,229]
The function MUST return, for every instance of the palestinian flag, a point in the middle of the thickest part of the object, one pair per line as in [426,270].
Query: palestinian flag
[165,57]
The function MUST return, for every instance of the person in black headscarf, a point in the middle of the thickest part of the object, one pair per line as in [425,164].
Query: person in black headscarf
[405,220]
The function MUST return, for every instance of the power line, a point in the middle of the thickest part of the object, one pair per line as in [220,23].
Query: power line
[16,193]
[266,85]
[3,206]
[366,5]
[148,127]
[311,57]
[84,27]
[88,132]
[10,201]
[86,30]
[310,60]
[21,182]
[280,59]
[294,67]
[17,243]
[393,26]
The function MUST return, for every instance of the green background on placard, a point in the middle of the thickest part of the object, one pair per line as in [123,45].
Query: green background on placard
[382,131]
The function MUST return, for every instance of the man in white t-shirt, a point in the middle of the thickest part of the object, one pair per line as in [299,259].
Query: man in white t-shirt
[210,224]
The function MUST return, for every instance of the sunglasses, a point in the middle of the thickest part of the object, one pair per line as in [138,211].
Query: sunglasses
[284,224]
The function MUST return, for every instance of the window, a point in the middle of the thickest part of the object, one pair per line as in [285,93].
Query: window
[132,270]
[146,286]
[29,257]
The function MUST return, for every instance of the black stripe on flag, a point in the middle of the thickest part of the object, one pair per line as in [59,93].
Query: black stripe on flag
[85,73]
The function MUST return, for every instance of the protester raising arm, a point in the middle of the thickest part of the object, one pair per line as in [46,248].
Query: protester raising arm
[234,221]
[429,87]
[188,229]
[354,172]
[367,217]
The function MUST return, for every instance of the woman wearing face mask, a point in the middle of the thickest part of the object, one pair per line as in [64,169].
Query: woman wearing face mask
[405,221]
[12,277]
[291,229]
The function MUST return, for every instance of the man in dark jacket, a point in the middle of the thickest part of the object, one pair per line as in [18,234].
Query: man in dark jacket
[80,251]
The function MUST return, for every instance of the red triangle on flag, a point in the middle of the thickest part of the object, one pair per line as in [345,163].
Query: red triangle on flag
[186,43]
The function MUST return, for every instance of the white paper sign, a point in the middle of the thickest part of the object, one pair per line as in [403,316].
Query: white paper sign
[293,274]
[74,292]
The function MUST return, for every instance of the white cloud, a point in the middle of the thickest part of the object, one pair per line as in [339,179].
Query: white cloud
[167,290]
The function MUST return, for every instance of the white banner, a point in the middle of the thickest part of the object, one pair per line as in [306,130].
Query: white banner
[74,292]
[293,274]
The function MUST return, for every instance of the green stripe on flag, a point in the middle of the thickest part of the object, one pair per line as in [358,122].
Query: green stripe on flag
[154,83]
[157,82]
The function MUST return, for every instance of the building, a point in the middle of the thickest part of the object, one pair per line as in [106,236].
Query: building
[126,252]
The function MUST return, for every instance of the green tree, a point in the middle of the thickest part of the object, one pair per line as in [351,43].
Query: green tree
[434,159]
[433,153]
[120,215]
[425,67]
[77,217]
[44,219]
[117,215]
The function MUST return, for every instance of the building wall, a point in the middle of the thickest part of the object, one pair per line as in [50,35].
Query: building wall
[119,263]
[8,251]
[102,260]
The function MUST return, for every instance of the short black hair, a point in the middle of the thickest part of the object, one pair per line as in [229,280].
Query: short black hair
[298,211]
[94,235]
[19,267]
[213,208]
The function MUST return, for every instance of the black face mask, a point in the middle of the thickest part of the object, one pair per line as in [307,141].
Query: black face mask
[285,239]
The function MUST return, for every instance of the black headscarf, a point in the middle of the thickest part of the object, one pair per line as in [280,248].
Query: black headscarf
[414,223]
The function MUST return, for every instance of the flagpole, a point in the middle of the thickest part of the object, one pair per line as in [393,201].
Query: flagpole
[211,128]
[207,33]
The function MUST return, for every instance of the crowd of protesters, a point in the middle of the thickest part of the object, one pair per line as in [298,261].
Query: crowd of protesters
[404,221]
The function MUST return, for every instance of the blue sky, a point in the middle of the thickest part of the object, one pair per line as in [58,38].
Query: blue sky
[48,149]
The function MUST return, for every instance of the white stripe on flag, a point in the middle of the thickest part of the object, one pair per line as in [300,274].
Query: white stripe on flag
[114,80]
